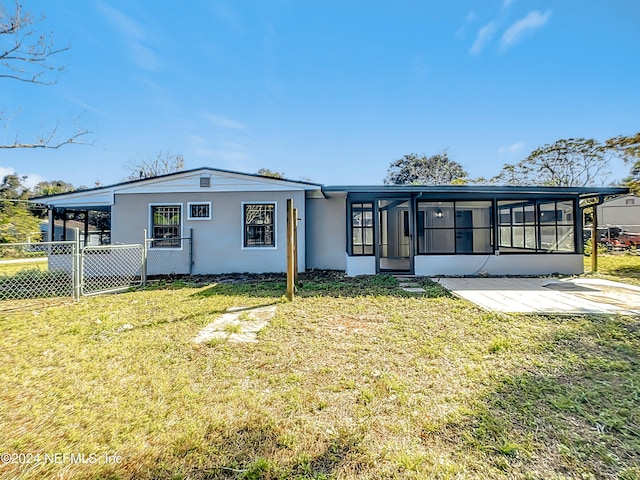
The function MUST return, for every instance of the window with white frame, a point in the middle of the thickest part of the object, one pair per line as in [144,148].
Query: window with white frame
[166,226]
[199,211]
[259,224]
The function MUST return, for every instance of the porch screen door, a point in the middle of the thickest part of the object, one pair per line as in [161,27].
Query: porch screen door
[394,235]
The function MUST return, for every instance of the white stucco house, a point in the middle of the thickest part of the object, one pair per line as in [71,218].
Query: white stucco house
[208,220]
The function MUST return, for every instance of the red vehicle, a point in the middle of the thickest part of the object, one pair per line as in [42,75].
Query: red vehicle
[619,239]
[629,239]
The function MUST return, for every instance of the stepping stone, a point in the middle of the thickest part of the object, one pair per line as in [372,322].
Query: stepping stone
[414,289]
[408,284]
[404,278]
[230,327]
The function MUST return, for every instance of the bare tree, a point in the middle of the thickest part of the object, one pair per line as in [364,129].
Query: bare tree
[161,163]
[25,56]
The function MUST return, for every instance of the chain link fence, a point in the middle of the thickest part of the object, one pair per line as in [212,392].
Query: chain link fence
[169,261]
[66,269]
[111,268]
[37,270]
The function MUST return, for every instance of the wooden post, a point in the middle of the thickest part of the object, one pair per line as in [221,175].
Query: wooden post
[290,248]
[594,239]
[295,246]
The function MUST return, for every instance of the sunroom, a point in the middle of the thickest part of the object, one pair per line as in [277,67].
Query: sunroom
[465,230]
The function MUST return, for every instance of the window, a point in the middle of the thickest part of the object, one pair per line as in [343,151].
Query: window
[517,222]
[199,211]
[556,226]
[205,181]
[166,226]
[362,228]
[528,226]
[259,223]
[455,227]
[629,201]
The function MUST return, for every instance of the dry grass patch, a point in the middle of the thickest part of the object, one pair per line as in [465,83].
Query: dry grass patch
[338,386]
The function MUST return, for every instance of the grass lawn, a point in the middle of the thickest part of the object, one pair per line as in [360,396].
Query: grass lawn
[623,267]
[353,380]
[14,267]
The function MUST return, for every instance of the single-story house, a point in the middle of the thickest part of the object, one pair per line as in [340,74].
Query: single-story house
[622,212]
[209,220]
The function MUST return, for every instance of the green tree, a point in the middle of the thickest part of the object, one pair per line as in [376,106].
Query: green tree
[628,148]
[422,170]
[17,224]
[566,163]
[52,188]
[265,172]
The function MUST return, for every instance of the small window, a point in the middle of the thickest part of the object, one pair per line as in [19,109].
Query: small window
[166,226]
[205,181]
[199,211]
[259,225]
[630,201]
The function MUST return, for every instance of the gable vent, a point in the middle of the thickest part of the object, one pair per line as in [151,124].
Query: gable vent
[205,181]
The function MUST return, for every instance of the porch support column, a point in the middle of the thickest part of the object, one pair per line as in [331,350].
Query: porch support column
[594,239]
[51,231]
[291,226]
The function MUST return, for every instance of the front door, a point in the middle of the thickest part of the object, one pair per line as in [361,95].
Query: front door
[394,235]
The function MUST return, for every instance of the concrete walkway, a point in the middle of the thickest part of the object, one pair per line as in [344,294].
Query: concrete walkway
[238,324]
[547,295]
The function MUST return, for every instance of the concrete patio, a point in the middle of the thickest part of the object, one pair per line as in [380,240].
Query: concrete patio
[571,296]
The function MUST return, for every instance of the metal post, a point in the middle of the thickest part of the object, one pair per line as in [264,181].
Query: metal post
[295,246]
[594,240]
[144,258]
[290,240]
[190,251]
[52,226]
[77,265]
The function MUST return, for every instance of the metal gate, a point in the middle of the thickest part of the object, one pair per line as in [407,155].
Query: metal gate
[111,268]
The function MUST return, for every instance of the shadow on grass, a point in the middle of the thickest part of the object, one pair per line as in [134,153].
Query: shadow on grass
[248,452]
[576,415]
[624,272]
[324,283]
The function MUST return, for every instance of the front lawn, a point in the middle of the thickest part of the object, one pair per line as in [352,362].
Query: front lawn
[353,380]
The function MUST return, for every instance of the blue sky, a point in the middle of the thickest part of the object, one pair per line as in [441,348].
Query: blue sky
[331,91]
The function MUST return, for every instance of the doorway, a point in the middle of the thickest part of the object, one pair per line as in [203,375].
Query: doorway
[394,235]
